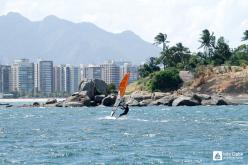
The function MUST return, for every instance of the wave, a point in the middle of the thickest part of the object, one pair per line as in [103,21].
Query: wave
[240,123]
[149,135]
[107,118]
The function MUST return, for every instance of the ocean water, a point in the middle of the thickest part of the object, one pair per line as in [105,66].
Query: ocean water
[148,135]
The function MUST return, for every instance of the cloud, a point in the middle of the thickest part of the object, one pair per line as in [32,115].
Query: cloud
[182,20]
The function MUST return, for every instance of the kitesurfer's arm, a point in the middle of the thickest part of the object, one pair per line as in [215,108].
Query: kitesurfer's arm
[122,107]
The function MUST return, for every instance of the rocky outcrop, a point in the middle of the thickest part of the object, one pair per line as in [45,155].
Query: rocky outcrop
[51,101]
[159,95]
[200,97]
[87,94]
[73,104]
[166,100]
[87,97]
[88,88]
[145,102]
[36,104]
[74,97]
[132,102]
[185,101]
[141,95]
[98,99]
[109,100]
[216,100]
[100,87]
[86,101]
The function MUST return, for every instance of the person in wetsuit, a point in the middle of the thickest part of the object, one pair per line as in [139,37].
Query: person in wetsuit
[126,109]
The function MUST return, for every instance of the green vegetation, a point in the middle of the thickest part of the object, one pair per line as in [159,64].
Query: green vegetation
[111,88]
[161,39]
[149,67]
[212,52]
[165,80]
[240,56]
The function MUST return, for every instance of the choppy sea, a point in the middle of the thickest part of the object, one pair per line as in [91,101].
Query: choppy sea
[148,135]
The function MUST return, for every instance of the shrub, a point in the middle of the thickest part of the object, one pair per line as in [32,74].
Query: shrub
[111,88]
[166,80]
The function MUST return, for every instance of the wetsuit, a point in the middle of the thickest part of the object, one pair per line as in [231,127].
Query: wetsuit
[126,109]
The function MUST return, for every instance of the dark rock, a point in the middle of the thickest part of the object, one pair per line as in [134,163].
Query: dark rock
[185,101]
[36,104]
[89,87]
[99,98]
[109,100]
[4,104]
[215,100]
[221,102]
[93,103]
[59,104]
[100,87]
[86,101]
[75,94]
[200,97]
[51,101]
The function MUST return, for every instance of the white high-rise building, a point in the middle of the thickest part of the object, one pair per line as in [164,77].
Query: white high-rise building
[75,78]
[132,69]
[61,79]
[57,79]
[66,78]
[36,78]
[91,72]
[22,76]
[110,73]
[44,76]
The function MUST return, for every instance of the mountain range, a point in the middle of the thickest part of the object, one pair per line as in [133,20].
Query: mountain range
[66,42]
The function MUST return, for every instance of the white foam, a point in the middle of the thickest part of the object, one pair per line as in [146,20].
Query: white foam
[28,116]
[107,118]
[241,123]
[163,121]
[36,129]
[141,120]
[126,134]
[149,135]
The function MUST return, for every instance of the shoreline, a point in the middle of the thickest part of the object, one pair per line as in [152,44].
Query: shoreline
[23,100]
[137,99]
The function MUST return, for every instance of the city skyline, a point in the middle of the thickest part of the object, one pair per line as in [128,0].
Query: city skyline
[43,78]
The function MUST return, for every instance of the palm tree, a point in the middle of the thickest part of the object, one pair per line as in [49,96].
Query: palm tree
[165,58]
[182,52]
[161,39]
[245,37]
[181,48]
[207,41]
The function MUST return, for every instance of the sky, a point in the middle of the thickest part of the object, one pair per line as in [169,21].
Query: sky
[181,20]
